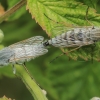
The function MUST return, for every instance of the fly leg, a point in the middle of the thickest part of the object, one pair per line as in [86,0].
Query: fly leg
[73,49]
[92,53]
[86,17]
[24,65]
[65,53]
[14,69]
[57,57]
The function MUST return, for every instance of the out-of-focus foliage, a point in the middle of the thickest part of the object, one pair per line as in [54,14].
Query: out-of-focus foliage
[5,98]
[95,98]
[19,13]
[1,35]
[90,3]
[63,79]
[1,10]
[67,12]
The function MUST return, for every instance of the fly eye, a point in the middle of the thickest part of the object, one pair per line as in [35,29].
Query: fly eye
[46,43]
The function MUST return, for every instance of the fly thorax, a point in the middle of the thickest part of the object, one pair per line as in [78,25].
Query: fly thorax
[64,36]
[54,40]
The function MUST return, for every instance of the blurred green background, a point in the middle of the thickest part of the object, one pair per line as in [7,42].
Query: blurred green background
[63,79]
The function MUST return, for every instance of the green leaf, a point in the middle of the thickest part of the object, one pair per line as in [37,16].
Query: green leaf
[73,80]
[62,79]
[53,13]
[98,7]
[64,12]
[90,3]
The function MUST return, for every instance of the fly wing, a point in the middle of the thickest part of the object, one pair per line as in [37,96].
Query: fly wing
[5,55]
[30,41]
[59,30]
[27,49]
[28,52]
[72,38]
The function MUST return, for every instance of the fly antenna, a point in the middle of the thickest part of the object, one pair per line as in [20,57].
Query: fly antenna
[92,53]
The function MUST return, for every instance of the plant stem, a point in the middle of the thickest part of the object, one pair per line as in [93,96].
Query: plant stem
[34,89]
[12,10]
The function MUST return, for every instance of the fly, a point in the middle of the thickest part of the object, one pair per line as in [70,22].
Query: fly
[76,37]
[23,51]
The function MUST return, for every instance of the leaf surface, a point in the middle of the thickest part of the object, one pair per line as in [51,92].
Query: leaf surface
[53,13]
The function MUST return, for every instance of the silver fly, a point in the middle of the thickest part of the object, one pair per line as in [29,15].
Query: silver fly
[76,37]
[73,36]
[23,51]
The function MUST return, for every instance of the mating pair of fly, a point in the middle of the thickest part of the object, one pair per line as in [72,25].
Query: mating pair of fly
[33,47]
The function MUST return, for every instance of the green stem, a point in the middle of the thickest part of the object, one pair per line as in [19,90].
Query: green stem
[34,89]
[12,10]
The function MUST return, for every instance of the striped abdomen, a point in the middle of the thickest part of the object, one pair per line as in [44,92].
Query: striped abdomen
[76,37]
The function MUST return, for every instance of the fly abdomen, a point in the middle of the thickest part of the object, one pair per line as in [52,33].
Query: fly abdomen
[75,37]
